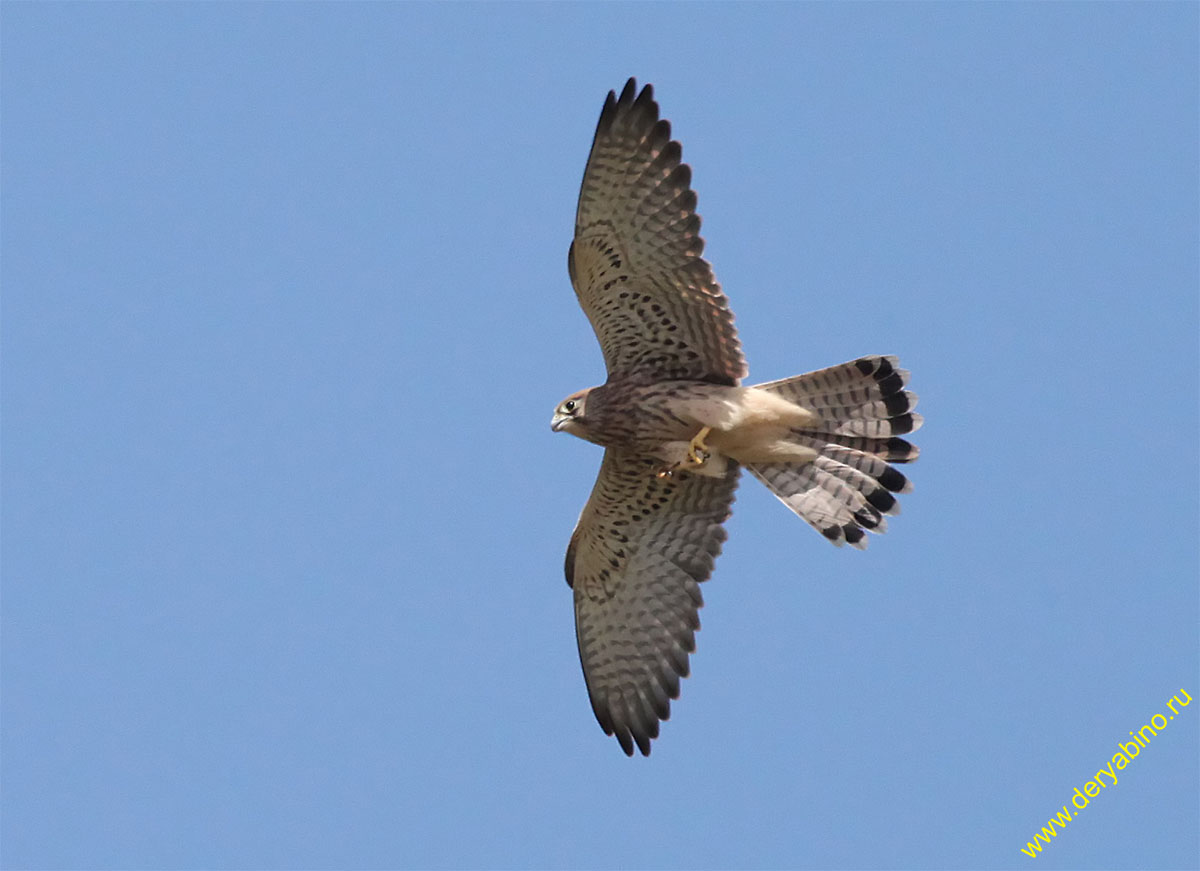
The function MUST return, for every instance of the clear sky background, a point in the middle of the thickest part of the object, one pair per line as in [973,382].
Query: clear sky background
[286,314]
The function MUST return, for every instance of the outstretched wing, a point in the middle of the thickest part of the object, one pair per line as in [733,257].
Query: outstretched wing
[638,554]
[635,262]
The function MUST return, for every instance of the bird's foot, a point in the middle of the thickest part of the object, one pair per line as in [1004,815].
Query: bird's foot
[698,452]
[693,458]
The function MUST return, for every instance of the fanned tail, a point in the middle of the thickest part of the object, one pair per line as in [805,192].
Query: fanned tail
[849,487]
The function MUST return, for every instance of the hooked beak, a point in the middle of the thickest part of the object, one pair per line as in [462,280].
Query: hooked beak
[558,422]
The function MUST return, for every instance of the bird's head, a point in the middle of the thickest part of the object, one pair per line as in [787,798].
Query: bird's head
[570,415]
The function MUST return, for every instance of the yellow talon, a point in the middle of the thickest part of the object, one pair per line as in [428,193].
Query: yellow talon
[697,449]
[697,455]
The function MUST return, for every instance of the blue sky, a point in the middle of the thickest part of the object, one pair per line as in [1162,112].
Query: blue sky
[286,314]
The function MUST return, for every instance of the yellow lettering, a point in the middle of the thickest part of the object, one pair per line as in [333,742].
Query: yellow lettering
[1120,760]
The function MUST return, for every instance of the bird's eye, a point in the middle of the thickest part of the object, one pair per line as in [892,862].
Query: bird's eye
[569,406]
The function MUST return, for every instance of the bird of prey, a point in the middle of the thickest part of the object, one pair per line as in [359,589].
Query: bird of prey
[677,426]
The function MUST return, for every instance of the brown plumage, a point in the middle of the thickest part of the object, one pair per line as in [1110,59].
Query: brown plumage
[677,425]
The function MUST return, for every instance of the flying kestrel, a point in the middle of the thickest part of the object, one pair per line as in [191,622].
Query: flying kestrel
[677,427]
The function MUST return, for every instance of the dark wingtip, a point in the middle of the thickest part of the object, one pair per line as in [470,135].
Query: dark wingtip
[613,104]
[630,104]
[645,97]
[607,114]
[626,742]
